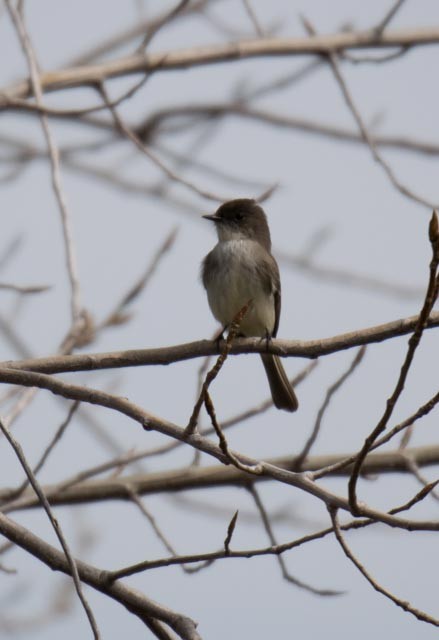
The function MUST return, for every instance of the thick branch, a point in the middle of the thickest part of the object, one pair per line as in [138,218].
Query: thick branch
[151,422]
[133,600]
[115,488]
[189,350]
[195,56]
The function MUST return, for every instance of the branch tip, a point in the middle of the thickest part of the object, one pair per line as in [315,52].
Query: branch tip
[230,531]
[433,233]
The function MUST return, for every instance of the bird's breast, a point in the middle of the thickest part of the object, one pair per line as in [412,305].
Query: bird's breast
[232,281]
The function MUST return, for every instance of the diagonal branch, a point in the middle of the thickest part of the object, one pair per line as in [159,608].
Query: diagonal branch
[73,570]
[329,393]
[404,604]
[334,64]
[430,298]
[283,567]
[144,608]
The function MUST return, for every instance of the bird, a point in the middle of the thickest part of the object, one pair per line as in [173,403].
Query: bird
[240,269]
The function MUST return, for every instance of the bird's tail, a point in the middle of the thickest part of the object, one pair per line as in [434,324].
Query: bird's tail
[281,390]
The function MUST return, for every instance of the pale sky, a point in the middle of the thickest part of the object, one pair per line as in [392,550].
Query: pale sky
[323,185]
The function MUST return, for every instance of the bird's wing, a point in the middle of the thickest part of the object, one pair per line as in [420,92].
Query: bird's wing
[268,272]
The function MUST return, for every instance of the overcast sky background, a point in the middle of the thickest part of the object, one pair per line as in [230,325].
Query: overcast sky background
[324,184]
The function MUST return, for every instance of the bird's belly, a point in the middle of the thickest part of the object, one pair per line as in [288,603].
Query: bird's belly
[236,284]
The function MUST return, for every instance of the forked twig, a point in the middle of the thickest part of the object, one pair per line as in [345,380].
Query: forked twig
[212,374]
[430,298]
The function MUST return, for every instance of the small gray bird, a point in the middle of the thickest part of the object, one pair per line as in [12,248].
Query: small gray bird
[240,269]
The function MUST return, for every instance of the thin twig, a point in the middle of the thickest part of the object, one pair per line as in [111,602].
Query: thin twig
[20,104]
[328,273]
[333,61]
[379,29]
[163,20]
[55,524]
[19,288]
[223,554]
[230,457]
[212,374]
[230,532]
[430,298]
[133,600]
[117,315]
[423,410]
[15,494]
[268,403]
[193,112]
[332,389]
[125,459]
[365,59]
[150,154]
[414,468]
[159,533]
[224,455]
[254,20]
[131,33]
[404,604]
[283,567]
[76,306]
[11,248]
[427,490]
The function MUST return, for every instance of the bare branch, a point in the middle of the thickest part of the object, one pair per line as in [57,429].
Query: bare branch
[423,410]
[230,457]
[283,567]
[230,532]
[18,288]
[78,490]
[212,374]
[161,22]
[252,15]
[141,63]
[333,61]
[165,355]
[73,570]
[268,403]
[132,599]
[379,29]
[37,90]
[328,397]
[56,438]
[404,604]
[126,36]
[117,315]
[150,154]
[430,298]
[245,463]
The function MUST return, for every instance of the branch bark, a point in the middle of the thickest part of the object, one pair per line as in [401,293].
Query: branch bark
[189,350]
[195,56]
[132,599]
[183,479]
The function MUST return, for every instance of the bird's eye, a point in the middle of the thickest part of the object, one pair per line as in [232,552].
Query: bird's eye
[239,216]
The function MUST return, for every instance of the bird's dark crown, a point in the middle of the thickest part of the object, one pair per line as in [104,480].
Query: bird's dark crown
[247,216]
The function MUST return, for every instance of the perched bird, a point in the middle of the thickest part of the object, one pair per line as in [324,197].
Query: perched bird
[240,269]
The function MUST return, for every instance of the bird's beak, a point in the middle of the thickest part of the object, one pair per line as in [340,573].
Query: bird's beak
[213,217]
